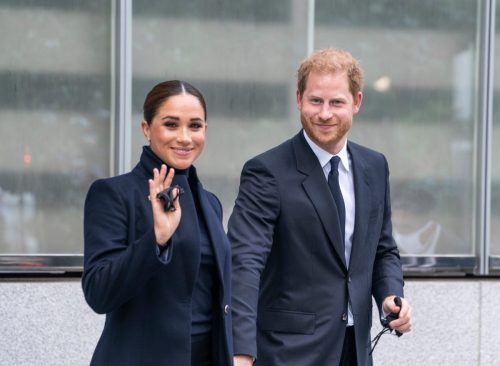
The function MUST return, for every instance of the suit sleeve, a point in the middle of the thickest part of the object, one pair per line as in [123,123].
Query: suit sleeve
[115,268]
[387,272]
[251,229]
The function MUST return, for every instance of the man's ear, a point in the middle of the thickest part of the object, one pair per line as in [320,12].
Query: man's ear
[299,100]
[357,102]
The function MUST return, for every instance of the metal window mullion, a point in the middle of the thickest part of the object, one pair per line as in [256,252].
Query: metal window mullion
[122,87]
[310,25]
[484,128]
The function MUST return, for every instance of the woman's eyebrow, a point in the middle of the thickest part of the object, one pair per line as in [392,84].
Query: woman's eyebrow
[170,117]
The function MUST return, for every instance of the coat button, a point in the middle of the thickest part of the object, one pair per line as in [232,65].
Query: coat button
[344,316]
[226,309]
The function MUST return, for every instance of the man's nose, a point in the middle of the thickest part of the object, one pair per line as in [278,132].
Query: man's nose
[326,113]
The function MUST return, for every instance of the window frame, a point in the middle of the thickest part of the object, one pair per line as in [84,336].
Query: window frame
[480,264]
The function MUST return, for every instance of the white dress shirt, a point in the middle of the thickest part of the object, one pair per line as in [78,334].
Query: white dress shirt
[346,183]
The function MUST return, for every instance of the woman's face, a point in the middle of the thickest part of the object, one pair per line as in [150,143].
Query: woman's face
[177,132]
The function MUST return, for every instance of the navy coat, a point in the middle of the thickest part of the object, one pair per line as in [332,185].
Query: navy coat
[147,298]
[290,280]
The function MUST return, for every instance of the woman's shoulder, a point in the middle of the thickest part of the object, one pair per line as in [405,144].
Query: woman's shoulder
[120,184]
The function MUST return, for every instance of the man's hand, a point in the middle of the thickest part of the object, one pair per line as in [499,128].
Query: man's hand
[243,360]
[404,323]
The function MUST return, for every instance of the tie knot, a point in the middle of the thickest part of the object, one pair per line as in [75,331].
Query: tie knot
[334,163]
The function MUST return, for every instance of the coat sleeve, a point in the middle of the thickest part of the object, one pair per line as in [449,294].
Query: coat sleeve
[387,272]
[116,264]
[250,231]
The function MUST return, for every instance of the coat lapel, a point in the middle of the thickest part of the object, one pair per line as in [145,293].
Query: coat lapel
[362,193]
[316,188]
[187,234]
[214,227]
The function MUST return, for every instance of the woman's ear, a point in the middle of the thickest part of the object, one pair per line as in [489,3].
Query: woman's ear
[145,129]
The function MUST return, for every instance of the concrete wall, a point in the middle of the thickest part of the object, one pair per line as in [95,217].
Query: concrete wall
[457,322]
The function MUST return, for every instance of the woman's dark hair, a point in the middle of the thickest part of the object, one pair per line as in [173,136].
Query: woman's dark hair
[162,91]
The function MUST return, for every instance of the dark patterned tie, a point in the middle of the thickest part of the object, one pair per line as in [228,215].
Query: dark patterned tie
[333,183]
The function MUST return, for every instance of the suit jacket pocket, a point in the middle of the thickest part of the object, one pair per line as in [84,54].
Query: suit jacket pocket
[375,213]
[286,321]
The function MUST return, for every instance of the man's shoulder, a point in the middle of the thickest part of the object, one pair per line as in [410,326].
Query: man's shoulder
[278,153]
[363,151]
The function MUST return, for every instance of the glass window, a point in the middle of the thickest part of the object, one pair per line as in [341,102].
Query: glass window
[242,57]
[420,106]
[54,120]
[418,109]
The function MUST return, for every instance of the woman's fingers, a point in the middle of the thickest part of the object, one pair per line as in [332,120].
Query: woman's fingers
[168,177]
[156,179]
[161,177]
[153,191]
[177,194]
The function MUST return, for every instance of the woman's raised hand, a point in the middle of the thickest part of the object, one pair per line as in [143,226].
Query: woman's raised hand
[165,222]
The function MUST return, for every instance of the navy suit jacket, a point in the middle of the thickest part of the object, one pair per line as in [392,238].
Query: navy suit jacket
[147,298]
[291,284]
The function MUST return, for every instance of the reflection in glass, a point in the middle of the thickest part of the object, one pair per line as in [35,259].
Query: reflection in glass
[242,55]
[419,105]
[54,113]
[418,109]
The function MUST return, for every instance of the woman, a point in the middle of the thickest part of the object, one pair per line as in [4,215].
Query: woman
[161,275]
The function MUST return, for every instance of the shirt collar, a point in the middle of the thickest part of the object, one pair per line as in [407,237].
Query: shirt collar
[324,156]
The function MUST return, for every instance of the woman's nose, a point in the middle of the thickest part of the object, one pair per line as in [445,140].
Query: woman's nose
[183,136]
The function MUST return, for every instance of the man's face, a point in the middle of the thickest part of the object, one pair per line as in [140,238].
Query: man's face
[327,108]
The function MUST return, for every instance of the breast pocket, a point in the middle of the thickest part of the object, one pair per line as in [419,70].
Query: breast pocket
[376,213]
[286,321]
[374,226]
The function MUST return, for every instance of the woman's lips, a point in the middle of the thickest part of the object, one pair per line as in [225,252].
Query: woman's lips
[183,151]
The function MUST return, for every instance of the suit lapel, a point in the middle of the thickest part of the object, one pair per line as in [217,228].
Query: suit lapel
[316,188]
[362,194]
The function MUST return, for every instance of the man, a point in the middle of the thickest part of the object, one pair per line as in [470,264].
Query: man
[312,238]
